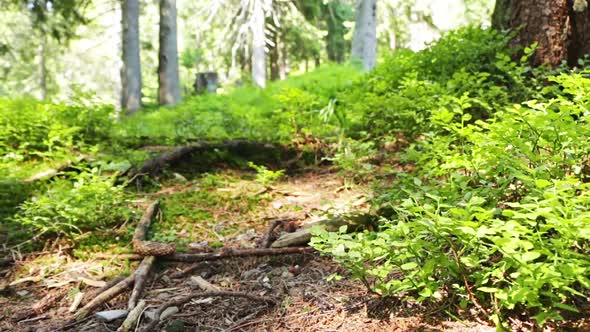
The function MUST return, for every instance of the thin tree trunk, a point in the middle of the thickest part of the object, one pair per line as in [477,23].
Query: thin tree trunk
[168,80]
[283,60]
[43,66]
[131,71]
[274,57]
[364,41]
[258,44]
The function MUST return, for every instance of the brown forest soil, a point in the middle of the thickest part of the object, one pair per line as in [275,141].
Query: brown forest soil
[307,301]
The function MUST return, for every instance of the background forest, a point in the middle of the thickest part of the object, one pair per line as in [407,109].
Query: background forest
[392,164]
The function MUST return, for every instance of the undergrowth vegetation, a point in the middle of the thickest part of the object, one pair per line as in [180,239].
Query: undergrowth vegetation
[487,164]
[495,214]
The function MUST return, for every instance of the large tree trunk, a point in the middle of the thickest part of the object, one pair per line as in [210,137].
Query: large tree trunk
[364,41]
[131,71]
[258,45]
[168,81]
[558,26]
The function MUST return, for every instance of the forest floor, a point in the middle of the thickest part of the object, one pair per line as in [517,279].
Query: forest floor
[230,209]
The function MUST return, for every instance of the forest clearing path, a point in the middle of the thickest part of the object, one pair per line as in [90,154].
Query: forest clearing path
[230,209]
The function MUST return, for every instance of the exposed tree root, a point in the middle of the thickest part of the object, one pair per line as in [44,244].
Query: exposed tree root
[153,166]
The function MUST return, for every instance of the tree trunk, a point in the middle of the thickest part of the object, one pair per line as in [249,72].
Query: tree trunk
[560,27]
[274,57]
[283,61]
[364,41]
[168,81]
[43,66]
[258,45]
[131,71]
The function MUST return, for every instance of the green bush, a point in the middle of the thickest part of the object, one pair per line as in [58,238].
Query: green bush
[399,94]
[276,113]
[31,129]
[71,207]
[496,212]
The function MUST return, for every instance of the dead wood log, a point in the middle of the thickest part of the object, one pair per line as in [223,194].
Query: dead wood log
[353,221]
[185,299]
[231,253]
[104,297]
[149,248]
[132,317]
[54,171]
[48,173]
[141,275]
[154,165]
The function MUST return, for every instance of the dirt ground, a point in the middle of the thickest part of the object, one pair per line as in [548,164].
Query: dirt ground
[307,301]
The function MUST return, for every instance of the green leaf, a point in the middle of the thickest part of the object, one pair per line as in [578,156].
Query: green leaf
[488,289]
[409,266]
[530,256]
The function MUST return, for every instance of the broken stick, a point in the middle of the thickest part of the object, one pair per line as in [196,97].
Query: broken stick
[140,277]
[93,294]
[149,248]
[132,317]
[104,297]
[229,253]
[185,299]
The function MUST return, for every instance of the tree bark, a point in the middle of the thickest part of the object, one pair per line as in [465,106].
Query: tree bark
[364,41]
[131,71]
[560,27]
[43,66]
[168,80]
[274,56]
[258,45]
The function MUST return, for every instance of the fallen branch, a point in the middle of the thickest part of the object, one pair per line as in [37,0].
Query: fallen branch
[302,236]
[231,253]
[149,248]
[93,294]
[132,317]
[185,299]
[104,297]
[48,173]
[140,278]
[204,285]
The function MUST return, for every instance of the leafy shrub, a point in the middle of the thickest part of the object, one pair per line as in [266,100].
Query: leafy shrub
[33,129]
[90,201]
[264,176]
[276,113]
[496,213]
[402,91]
